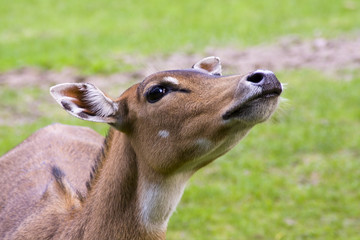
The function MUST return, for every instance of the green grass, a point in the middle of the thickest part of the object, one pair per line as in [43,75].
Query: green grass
[294,177]
[92,35]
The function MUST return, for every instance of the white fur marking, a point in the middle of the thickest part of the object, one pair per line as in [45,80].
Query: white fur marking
[263,71]
[100,104]
[203,143]
[163,133]
[159,201]
[171,80]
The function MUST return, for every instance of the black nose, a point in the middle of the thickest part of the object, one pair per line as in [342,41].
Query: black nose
[260,77]
[264,79]
[256,77]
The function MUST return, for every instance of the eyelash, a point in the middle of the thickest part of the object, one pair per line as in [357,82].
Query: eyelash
[163,90]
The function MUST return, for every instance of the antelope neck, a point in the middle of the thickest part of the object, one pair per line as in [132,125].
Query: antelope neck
[122,189]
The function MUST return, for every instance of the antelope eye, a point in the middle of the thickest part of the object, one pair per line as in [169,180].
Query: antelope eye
[156,93]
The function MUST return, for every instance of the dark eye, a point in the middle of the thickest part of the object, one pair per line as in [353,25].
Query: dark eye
[156,93]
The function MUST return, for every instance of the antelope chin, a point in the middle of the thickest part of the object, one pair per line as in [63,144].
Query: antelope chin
[263,104]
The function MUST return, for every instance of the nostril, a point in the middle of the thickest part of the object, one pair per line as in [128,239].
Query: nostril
[256,77]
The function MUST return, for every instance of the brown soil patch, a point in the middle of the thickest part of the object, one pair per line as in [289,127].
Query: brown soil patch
[338,58]
[332,57]
[290,53]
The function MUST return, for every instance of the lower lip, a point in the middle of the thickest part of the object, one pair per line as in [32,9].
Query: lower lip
[265,96]
[270,95]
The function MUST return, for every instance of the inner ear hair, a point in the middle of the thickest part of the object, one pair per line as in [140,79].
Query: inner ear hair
[211,65]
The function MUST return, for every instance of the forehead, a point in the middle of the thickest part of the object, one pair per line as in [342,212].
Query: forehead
[174,77]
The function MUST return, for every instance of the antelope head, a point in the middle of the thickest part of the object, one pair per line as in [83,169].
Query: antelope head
[180,120]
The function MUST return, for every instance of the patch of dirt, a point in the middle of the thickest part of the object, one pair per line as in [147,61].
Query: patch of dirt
[327,56]
[332,57]
[30,76]
[338,58]
[13,116]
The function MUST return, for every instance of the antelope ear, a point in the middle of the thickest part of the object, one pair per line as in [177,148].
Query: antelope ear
[212,65]
[85,101]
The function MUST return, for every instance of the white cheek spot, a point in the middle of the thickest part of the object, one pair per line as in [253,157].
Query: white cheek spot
[171,80]
[203,143]
[163,133]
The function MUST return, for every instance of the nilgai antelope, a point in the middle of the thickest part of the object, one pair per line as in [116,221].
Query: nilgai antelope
[67,182]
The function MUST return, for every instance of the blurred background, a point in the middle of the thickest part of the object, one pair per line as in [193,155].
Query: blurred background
[295,177]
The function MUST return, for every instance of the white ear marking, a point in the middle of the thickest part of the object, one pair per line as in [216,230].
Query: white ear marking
[85,101]
[94,98]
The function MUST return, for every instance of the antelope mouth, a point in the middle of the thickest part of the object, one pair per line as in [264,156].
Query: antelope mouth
[244,106]
[274,92]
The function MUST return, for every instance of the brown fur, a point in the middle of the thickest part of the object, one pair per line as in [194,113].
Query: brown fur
[25,172]
[68,183]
